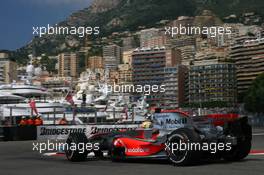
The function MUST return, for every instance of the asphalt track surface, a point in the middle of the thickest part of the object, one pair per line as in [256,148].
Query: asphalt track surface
[17,158]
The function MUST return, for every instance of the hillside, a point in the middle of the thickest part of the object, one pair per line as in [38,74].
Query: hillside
[128,15]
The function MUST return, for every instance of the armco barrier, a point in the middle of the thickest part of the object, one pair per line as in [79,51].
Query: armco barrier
[57,132]
[1,134]
[61,132]
[257,121]
[18,133]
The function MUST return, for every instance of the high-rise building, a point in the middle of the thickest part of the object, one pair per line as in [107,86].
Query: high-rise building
[148,69]
[211,54]
[147,34]
[68,65]
[113,77]
[4,55]
[174,81]
[215,82]
[173,57]
[248,54]
[182,41]
[124,74]
[160,67]
[112,56]
[95,62]
[127,57]
[150,38]
[186,54]
[185,47]
[8,71]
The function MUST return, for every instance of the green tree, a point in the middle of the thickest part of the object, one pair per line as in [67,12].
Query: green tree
[82,62]
[254,99]
[49,64]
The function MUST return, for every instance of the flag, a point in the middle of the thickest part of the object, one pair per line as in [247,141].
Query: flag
[126,112]
[32,105]
[69,98]
[74,113]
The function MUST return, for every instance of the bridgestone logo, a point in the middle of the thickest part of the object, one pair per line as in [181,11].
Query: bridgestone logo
[53,132]
[61,131]
[96,130]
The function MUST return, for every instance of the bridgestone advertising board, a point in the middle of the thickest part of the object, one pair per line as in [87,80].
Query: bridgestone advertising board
[61,132]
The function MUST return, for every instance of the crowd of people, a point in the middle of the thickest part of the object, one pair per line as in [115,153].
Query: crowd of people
[37,121]
[31,121]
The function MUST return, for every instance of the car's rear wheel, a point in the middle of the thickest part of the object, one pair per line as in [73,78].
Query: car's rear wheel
[239,151]
[73,141]
[179,156]
[244,138]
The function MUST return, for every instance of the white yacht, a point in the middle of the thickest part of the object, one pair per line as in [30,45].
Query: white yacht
[9,98]
[18,95]
[110,106]
[24,90]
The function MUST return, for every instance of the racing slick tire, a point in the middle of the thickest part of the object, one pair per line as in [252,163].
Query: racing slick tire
[243,131]
[76,155]
[183,157]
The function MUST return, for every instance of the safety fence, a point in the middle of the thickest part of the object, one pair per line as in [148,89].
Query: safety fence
[257,121]
[52,115]
[11,128]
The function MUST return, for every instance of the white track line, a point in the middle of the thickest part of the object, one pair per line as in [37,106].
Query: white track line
[50,154]
[256,154]
[258,134]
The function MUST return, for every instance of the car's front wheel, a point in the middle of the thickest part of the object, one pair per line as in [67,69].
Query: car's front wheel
[177,148]
[72,152]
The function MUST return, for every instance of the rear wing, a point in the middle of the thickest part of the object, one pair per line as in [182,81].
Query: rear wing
[221,119]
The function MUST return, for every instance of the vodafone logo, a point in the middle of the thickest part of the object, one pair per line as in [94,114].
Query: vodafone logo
[137,150]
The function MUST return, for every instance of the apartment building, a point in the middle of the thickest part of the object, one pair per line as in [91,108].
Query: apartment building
[68,65]
[212,81]
[95,62]
[174,81]
[112,56]
[8,69]
[148,69]
[248,54]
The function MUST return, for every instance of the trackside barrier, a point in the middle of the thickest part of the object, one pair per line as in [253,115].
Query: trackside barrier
[257,122]
[1,133]
[18,133]
[59,132]
[87,115]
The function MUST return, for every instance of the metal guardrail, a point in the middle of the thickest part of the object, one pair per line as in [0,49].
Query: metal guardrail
[115,116]
[1,133]
[87,116]
[257,121]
